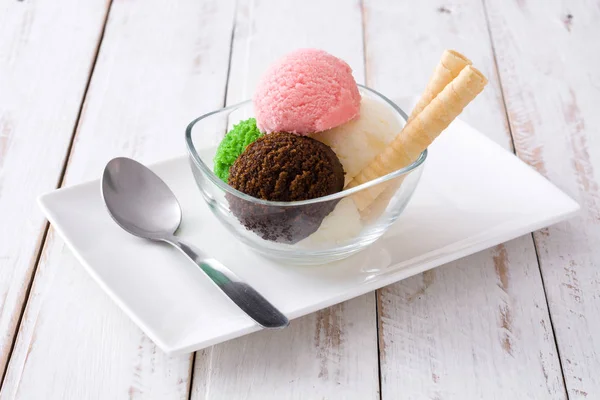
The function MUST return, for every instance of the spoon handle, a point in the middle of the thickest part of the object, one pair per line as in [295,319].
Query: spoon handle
[249,300]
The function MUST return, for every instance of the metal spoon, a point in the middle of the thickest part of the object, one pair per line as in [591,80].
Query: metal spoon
[143,205]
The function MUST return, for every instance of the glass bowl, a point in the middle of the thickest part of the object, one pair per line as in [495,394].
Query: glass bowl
[306,232]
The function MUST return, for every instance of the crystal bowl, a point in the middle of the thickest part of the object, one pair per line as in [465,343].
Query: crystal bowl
[305,232]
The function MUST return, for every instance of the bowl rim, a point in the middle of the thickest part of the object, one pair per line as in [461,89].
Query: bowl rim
[206,170]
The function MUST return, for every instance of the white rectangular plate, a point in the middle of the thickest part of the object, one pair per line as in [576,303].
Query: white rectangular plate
[473,195]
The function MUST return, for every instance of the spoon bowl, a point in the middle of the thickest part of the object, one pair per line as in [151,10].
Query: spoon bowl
[138,200]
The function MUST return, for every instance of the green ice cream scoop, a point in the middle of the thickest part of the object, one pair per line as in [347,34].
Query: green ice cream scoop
[233,144]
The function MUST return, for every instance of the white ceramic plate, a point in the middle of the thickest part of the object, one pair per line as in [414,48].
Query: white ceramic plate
[473,195]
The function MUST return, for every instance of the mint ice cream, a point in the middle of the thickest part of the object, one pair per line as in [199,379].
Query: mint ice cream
[233,144]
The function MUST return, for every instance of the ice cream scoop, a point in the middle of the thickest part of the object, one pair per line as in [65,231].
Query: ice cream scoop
[233,144]
[359,141]
[306,91]
[341,225]
[285,167]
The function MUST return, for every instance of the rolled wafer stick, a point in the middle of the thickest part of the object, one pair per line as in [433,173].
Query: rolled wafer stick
[450,65]
[448,68]
[418,134]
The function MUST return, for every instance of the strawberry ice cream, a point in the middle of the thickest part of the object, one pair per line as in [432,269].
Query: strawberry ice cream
[306,91]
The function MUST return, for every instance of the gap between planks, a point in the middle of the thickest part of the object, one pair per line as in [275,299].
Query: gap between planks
[514,150]
[378,330]
[61,177]
[232,37]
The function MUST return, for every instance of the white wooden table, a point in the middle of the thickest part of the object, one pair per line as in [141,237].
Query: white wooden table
[84,81]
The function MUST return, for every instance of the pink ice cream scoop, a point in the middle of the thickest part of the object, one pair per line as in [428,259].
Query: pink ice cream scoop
[306,91]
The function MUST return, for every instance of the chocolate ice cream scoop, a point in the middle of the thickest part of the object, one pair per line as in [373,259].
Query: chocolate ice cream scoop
[285,167]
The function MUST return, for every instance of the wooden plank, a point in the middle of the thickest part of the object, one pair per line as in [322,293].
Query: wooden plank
[45,59]
[478,327]
[549,62]
[160,65]
[332,353]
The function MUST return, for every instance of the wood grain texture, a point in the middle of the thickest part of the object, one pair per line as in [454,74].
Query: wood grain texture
[330,354]
[160,65]
[549,62]
[333,353]
[478,327]
[45,61]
